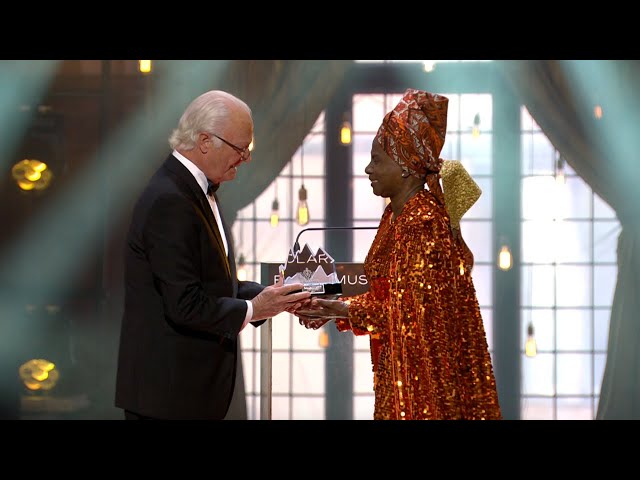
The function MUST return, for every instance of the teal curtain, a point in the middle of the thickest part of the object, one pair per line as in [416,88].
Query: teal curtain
[561,95]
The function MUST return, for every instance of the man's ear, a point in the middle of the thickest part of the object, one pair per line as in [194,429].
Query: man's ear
[204,142]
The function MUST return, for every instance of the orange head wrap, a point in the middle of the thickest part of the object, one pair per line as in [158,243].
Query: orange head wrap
[413,132]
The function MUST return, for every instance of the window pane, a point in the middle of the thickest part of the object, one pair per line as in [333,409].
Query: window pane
[574,374]
[363,373]
[308,372]
[538,155]
[310,159]
[363,407]
[250,338]
[361,146]
[361,344]
[281,331]
[273,244]
[475,153]
[601,209]
[538,198]
[307,408]
[538,374]
[280,381]
[250,374]
[601,334]
[599,363]
[280,407]
[482,280]
[477,236]
[573,242]
[574,329]
[574,286]
[253,409]
[482,208]
[537,409]
[453,115]
[537,286]
[539,241]
[368,111]
[365,203]
[576,198]
[605,240]
[575,409]
[362,239]
[451,147]
[306,339]
[605,279]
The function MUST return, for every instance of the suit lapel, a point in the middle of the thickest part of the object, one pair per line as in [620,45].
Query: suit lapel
[231,259]
[189,184]
[214,226]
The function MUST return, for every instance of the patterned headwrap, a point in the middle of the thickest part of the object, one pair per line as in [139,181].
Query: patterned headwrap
[413,132]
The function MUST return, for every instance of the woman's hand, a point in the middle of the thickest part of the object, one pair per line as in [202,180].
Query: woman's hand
[322,307]
[313,323]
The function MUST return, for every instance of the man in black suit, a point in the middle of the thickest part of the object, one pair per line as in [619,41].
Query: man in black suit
[184,306]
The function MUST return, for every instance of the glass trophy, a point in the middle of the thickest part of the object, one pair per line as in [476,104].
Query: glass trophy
[316,272]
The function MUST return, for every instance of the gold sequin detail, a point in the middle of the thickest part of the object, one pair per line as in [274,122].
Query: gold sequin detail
[429,351]
[460,190]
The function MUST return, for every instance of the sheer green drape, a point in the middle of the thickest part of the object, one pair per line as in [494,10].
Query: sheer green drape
[560,96]
[286,98]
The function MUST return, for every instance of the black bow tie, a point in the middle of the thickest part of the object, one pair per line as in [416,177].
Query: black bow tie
[212,188]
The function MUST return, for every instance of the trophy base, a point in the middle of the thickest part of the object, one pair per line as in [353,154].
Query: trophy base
[330,291]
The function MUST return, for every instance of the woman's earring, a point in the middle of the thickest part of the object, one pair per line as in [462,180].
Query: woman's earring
[405,173]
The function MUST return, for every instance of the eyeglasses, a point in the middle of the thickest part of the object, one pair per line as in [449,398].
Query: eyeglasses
[244,152]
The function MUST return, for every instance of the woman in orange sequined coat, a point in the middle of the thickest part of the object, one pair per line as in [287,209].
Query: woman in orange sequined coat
[429,350]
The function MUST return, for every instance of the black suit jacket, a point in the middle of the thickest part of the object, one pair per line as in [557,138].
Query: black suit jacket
[184,306]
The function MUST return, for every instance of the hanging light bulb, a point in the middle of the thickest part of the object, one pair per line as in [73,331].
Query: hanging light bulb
[303,210]
[475,130]
[597,112]
[530,347]
[144,66]
[504,258]
[428,65]
[275,206]
[242,271]
[560,170]
[345,131]
[274,213]
[302,215]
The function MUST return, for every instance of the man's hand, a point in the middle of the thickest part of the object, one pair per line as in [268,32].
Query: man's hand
[278,298]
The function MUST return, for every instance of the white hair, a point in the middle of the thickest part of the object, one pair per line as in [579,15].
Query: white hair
[207,113]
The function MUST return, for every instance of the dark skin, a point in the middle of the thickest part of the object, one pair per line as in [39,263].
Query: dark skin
[388,180]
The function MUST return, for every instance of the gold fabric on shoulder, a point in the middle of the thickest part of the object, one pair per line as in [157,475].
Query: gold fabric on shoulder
[460,190]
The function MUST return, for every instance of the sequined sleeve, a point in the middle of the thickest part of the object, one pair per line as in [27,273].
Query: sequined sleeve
[365,314]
